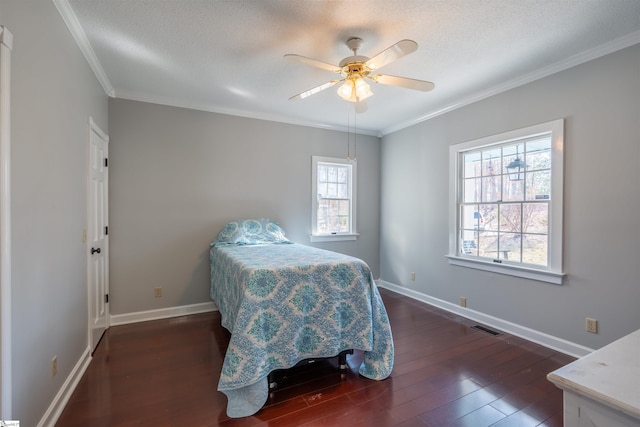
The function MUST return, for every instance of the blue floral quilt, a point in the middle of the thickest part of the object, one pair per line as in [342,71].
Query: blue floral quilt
[284,303]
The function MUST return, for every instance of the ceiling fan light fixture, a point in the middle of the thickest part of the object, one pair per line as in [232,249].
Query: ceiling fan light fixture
[363,90]
[355,90]
[346,90]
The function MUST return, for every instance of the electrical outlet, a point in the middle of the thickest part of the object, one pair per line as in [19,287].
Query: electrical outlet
[592,325]
[463,302]
[413,276]
[54,366]
[157,292]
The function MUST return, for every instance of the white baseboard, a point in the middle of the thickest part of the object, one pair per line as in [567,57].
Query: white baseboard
[58,404]
[559,344]
[50,417]
[161,313]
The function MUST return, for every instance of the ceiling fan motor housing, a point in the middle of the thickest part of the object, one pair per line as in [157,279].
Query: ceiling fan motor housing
[354,65]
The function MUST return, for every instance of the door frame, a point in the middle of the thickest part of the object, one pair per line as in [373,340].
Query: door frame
[6,44]
[94,128]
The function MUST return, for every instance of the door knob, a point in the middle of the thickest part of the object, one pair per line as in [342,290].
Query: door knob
[95,251]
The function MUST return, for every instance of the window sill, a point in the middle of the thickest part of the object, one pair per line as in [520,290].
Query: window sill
[508,269]
[317,238]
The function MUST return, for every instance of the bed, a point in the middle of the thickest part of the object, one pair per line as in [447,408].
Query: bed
[285,302]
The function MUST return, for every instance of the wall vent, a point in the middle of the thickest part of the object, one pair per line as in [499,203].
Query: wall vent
[487,330]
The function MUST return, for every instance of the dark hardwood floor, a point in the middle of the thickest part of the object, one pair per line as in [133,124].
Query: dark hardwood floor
[165,373]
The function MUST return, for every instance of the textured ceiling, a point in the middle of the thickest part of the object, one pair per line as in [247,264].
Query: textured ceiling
[227,56]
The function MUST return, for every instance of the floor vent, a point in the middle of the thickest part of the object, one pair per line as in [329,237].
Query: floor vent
[487,330]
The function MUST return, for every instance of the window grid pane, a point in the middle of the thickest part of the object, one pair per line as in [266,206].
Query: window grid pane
[504,212]
[333,215]
[334,198]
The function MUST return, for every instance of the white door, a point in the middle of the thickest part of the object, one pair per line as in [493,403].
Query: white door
[98,235]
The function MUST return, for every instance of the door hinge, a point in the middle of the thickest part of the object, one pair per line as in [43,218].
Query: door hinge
[106,298]
[106,230]
[106,162]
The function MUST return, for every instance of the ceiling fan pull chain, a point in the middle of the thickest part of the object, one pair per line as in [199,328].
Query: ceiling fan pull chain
[348,143]
[355,134]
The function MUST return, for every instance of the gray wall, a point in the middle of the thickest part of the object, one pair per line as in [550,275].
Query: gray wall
[600,101]
[177,176]
[53,93]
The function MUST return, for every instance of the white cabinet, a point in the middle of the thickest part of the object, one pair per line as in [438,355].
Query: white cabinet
[602,389]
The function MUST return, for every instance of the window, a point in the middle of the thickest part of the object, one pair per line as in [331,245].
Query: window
[506,212]
[334,199]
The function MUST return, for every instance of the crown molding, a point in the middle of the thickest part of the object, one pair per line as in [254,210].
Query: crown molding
[152,99]
[572,61]
[80,37]
[82,41]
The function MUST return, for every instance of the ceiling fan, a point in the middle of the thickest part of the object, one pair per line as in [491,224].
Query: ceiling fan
[356,68]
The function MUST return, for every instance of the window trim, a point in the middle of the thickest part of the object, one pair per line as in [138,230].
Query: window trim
[553,273]
[324,237]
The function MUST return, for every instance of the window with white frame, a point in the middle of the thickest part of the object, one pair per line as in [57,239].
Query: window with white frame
[506,209]
[334,199]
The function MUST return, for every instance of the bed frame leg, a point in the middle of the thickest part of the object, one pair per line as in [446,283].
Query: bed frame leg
[271,378]
[342,360]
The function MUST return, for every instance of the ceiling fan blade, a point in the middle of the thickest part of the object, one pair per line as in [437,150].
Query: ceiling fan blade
[361,107]
[390,54]
[314,90]
[405,82]
[312,62]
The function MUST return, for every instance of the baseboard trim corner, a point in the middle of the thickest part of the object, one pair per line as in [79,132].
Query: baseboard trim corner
[162,313]
[59,402]
[555,343]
